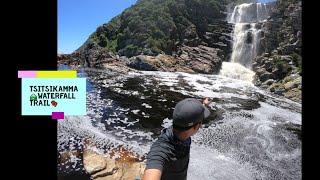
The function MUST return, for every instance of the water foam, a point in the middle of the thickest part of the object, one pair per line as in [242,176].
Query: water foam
[243,144]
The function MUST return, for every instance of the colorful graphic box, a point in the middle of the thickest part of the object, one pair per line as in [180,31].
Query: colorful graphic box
[55,93]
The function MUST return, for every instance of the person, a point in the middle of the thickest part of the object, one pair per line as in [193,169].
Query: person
[168,157]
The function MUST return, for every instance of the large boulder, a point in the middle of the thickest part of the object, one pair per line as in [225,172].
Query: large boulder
[201,59]
[93,162]
[143,62]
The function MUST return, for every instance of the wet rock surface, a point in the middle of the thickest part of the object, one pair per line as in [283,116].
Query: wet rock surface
[281,44]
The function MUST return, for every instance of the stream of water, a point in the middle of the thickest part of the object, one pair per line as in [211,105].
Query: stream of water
[251,134]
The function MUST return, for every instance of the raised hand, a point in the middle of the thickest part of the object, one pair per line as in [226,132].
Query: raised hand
[206,101]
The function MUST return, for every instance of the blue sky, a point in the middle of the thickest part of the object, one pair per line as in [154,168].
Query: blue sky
[77,19]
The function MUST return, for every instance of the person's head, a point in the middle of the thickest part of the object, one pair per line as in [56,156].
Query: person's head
[188,131]
[188,116]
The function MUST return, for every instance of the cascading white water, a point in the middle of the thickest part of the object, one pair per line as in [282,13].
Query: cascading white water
[245,44]
[246,37]
[248,13]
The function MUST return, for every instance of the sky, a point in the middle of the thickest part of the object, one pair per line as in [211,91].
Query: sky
[77,19]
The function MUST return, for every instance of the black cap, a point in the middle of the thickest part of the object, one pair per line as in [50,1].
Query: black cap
[189,112]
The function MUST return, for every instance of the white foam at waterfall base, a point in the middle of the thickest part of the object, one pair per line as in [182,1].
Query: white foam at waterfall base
[203,85]
[236,71]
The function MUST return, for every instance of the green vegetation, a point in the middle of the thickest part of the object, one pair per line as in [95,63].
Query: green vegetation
[279,63]
[282,66]
[297,60]
[157,26]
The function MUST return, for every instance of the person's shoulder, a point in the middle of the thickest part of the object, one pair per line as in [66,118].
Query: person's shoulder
[160,153]
[162,145]
[162,142]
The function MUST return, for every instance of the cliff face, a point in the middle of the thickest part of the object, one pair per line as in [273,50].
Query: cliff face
[194,36]
[152,27]
[279,68]
[180,29]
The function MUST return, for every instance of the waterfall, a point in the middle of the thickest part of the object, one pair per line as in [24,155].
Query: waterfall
[249,13]
[246,39]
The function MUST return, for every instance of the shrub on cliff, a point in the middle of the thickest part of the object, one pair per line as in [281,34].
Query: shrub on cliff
[157,26]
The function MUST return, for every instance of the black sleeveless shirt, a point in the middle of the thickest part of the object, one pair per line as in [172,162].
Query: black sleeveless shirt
[170,155]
